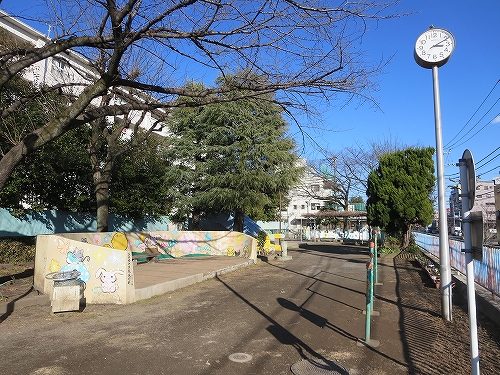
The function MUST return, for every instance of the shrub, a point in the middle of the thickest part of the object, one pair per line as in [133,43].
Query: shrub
[17,250]
[391,245]
[261,239]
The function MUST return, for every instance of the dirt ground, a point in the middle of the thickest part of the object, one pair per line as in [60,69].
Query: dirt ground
[16,281]
[280,313]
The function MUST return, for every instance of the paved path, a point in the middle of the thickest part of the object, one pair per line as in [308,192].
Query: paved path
[284,315]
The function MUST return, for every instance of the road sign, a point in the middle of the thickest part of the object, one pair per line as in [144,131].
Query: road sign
[471,177]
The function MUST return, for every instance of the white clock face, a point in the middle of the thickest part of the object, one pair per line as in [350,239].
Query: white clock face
[434,46]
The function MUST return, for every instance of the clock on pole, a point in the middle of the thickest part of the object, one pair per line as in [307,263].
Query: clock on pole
[432,50]
[434,47]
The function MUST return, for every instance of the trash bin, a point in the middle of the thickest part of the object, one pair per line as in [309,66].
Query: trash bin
[67,291]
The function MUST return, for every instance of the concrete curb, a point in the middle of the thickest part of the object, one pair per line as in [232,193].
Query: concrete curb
[485,302]
[8,307]
[170,286]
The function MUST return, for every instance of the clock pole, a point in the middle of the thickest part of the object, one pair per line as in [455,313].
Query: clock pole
[432,50]
[444,252]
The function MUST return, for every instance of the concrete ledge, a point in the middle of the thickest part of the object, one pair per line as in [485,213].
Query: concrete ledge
[166,287]
[8,307]
[485,302]
[212,274]
[283,258]
[170,286]
[484,298]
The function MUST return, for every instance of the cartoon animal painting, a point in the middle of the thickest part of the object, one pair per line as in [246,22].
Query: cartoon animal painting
[108,280]
[74,260]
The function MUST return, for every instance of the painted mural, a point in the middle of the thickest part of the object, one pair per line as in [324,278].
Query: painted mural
[173,244]
[104,261]
[486,272]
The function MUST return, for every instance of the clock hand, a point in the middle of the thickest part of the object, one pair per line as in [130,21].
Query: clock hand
[439,43]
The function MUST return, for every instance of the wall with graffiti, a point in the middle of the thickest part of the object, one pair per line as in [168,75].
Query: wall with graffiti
[486,271]
[105,263]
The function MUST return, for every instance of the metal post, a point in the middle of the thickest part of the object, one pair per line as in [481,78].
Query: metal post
[372,267]
[369,300]
[444,254]
[375,255]
[471,293]
[369,307]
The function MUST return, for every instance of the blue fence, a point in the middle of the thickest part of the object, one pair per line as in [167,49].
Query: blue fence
[50,222]
[34,223]
[486,272]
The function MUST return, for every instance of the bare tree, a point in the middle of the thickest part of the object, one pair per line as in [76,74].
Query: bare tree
[347,170]
[303,49]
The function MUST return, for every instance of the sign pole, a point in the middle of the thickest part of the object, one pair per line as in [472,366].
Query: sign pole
[466,223]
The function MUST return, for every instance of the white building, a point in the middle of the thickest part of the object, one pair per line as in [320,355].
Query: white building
[484,201]
[69,68]
[306,198]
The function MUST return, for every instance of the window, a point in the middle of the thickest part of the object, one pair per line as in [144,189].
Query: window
[302,206]
[61,69]
[294,206]
[315,188]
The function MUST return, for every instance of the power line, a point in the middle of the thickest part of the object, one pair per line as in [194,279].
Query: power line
[491,170]
[477,110]
[477,123]
[485,161]
[488,161]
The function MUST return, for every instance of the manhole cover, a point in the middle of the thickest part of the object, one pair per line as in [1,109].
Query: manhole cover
[317,367]
[240,357]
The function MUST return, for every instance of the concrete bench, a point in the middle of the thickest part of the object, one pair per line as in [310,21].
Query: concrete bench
[151,254]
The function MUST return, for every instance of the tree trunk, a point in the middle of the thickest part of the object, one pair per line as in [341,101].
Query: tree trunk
[239,219]
[405,241]
[195,225]
[102,198]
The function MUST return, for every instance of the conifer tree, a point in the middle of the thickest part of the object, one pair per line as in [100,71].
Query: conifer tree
[399,192]
[232,156]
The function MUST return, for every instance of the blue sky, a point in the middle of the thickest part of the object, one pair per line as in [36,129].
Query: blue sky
[470,118]
[406,93]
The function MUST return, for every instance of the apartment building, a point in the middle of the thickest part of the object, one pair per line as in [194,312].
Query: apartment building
[306,198]
[484,201]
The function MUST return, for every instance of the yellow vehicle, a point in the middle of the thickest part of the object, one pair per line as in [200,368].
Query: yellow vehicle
[270,247]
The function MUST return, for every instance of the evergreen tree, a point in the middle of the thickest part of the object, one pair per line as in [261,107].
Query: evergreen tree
[56,176]
[231,157]
[138,188]
[399,192]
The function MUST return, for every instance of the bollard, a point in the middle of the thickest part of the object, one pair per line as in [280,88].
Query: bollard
[375,251]
[369,303]
[369,300]
[371,284]
[284,252]
[371,277]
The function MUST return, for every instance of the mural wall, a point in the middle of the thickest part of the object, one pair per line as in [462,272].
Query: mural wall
[105,260]
[486,272]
